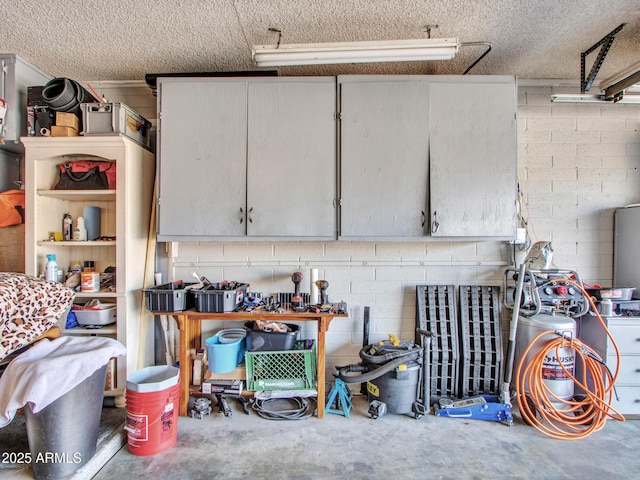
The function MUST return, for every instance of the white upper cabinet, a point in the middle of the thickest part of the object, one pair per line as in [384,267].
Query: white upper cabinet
[472,156]
[445,145]
[202,158]
[291,159]
[263,158]
[384,156]
[247,157]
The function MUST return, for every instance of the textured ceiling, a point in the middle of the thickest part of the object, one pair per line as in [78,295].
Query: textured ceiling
[125,39]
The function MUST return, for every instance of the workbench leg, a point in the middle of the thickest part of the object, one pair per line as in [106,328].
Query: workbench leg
[185,362]
[322,328]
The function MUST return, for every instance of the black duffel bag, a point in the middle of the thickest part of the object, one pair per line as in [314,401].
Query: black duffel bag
[86,175]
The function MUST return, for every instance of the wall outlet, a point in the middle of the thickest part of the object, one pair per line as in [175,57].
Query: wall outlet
[521,237]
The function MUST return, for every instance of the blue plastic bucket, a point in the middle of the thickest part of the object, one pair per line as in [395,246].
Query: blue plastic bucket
[224,356]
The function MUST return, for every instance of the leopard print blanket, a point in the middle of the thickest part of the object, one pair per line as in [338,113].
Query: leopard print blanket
[29,306]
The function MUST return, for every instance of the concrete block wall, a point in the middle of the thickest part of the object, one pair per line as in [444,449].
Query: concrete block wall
[576,164]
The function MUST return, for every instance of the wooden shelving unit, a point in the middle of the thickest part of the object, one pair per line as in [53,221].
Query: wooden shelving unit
[125,216]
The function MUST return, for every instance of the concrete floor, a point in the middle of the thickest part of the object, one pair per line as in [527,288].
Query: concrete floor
[392,446]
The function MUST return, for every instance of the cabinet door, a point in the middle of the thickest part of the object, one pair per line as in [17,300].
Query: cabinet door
[384,135]
[291,158]
[473,157]
[202,151]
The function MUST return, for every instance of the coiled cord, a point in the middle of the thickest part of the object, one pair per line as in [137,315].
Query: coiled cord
[575,419]
[295,408]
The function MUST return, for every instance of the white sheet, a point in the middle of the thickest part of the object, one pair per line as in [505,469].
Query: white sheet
[50,369]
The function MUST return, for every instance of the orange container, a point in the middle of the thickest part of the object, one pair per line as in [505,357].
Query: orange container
[89,282]
[152,419]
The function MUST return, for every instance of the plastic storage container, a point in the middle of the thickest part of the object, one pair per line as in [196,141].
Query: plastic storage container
[105,314]
[67,428]
[260,340]
[115,118]
[169,297]
[153,379]
[215,299]
[225,351]
[283,370]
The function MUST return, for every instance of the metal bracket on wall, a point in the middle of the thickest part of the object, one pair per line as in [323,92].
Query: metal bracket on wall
[605,42]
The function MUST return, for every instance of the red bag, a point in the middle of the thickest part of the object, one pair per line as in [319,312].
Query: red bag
[11,208]
[86,175]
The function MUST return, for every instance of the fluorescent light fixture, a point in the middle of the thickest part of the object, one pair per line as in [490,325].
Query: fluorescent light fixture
[616,84]
[355,52]
[588,98]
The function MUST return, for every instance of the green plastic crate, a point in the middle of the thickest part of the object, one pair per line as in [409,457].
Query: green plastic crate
[281,370]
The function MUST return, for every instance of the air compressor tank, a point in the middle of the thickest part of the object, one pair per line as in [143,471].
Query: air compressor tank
[553,375]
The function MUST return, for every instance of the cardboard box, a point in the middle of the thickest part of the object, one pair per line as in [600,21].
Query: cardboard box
[58,131]
[230,387]
[198,368]
[240,373]
[64,119]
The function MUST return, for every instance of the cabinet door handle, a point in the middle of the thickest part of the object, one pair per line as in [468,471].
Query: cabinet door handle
[250,212]
[241,215]
[434,224]
[424,218]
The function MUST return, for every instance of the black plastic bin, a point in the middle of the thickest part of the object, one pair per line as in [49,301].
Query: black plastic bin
[217,298]
[258,340]
[169,297]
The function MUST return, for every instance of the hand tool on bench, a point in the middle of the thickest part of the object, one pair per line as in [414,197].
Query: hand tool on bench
[323,306]
[297,303]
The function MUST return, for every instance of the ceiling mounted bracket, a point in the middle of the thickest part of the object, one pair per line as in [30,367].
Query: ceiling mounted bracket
[605,42]
[484,54]
[427,28]
[279,32]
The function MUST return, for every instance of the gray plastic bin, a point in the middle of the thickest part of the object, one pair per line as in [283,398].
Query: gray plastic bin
[63,435]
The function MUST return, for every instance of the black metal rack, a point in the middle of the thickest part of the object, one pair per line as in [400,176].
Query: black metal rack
[466,347]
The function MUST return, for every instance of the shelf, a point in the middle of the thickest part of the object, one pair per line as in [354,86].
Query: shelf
[76,243]
[79,195]
[105,330]
[125,214]
[98,294]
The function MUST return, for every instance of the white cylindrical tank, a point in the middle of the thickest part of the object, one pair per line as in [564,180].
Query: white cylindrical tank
[553,376]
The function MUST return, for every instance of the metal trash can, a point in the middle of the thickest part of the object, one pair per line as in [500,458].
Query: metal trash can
[63,435]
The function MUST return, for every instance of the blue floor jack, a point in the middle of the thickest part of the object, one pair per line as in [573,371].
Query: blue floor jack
[480,407]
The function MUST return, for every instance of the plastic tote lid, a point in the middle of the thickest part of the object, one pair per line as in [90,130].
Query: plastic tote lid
[153,379]
[231,335]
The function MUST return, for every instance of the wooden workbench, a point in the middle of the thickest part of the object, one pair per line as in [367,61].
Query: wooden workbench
[190,327]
